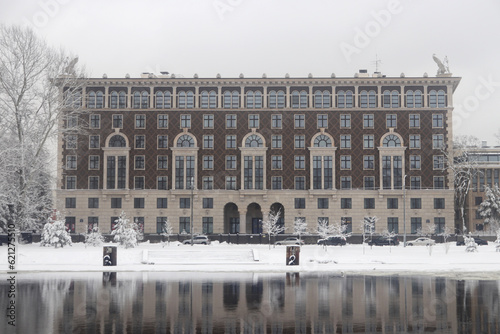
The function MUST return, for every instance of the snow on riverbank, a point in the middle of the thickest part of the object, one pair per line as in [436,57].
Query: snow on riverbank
[224,257]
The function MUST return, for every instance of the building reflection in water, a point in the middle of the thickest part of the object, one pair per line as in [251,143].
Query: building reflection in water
[253,303]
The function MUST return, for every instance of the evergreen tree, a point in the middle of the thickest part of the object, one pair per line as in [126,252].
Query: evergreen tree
[125,232]
[94,238]
[54,232]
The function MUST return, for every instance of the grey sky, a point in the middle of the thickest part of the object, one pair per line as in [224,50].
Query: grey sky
[283,36]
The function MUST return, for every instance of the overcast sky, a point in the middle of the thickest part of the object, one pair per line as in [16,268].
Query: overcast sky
[283,36]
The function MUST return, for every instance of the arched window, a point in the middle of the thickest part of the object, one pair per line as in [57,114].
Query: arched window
[441,99]
[163,100]
[348,99]
[363,99]
[137,100]
[410,99]
[258,100]
[114,100]
[418,99]
[322,141]
[391,99]
[372,99]
[204,99]
[303,99]
[391,141]
[117,141]
[250,100]
[182,99]
[185,141]
[322,99]
[190,100]
[213,99]
[208,99]
[231,99]
[99,100]
[91,100]
[340,99]
[254,141]
[159,100]
[122,100]
[394,99]
[295,99]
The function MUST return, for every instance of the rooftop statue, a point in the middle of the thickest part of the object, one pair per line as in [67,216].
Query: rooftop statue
[442,65]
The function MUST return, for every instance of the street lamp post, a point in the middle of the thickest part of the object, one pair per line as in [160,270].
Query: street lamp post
[192,204]
[404,210]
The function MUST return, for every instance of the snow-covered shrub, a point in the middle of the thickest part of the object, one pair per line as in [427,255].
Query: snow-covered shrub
[167,230]
[125,231]
[470,244]
[54,233]
[94,238]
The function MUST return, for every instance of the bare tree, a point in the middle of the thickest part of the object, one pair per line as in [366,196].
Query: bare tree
[462,162]
[32,77]
[167,230]
[271,225]
[368,226]
[299,227]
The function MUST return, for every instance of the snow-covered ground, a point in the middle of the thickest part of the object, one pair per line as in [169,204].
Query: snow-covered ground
[350,259]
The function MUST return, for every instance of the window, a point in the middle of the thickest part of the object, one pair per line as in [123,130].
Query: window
[162,162]
[368,121]
[416,225]
[94,162]
[231,162]
[276,141]
[160,224]
[184,203]
[208,225]
[70,202]
[139,162]
[414,121]
[437,120]
[253,121]
[276,183]
[439,203]
[94,142]
[230,182]
[162,141]
[254,99]
[162,121]
[478,200]
[437,141]
[345,141]
[117,121]
[230,121]
[208,162]
[276,162]
[207,182]
[208,121]
[162,183]
[139,203]
[345,182]
[391,121]
[414,161]
[347,222]
[437,99]
[415,141]
[368,141]
[346,203]
[322,99]
[185,99]
[276,99]
[276,122]
[392,224]
[300,141]
[230,141]
[391,99]
[368,162]
[299,162]
[253,172]
[368,99]
[345,121]
[208,203]
[71,162]
[322,203]
[322,172]
[139,182]
[438,162]
[70,182]
[208,142]
[185,121]
[163,100]
[231,99]
[369,182]
[439,223]
[71,141]
[140,100]
[369,203]
[140,141]
[299,121]
[322,141]
[415,182]
[184,225]
[95,121]
[208,100]
[415,203]
[392,203]
[116,203]
[299,99]
[140,121]
[300,183]
[345,162]
[322,121]
[93,182]
[300,203]
[344,99]
[391,141]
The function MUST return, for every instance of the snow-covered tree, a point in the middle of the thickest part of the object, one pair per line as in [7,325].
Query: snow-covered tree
[94,238]
[271,225]
[446,234]
[389,235]
[166,231]
[299,227]
[427,231]
[125,231]
[324,228]
[54,232]
[490,208]
[470,244]
[32,76]
[368,226]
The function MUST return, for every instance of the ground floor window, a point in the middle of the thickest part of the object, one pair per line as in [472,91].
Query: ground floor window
[234,225]
[140,223]
[184,225]
[208,225]
[347,222]
[93,223]
[70,224]
[160,224]
[439,224]
[392,224]
[416,224]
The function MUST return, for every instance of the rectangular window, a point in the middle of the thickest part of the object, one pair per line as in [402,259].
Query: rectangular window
[71,141]
[300,141]
[414,161]
[139,182]
[345,162]
[439,223]
[162,121]
[276,141]
[184,203]
[345,182]
[276,121]
[208,203]
[369,203]
[322,121]
[162,183]
[392,203]
[439,203]
[160,224]
[438,162]
[299,121]
[208,142]
[415,182]
[300,203]
[438,182]
[415,141]
[140,121]
[230,121]
[94,142]
[415,121]
[208,121]
[368,162]
[185,121]
[416,225]
[162,162]
[162,141]
[368,121]
[368,141]
[437,120]
[208,225]
[478,200]
[139,162]
[437,141]
[93,203]
[300,183]
[208,182]
[276,162]
[140,141]
[300,162]
[139,203]
[93,182]
[231,162]
[117,121]
[345,141]
[231,141]
[208,162]
[70,202]
[162,203]
[253,121]
[346,203]
[369,182]
[415,203]
[392,224]
[70,182]
[276,183]
[71,162]
[116,203]
[184,225]
[95,121]
[391,121]
[322,203]
[230,182]
[345,121]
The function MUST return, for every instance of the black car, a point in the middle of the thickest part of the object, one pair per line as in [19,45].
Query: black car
[383,241]
[332,241]
[479,241]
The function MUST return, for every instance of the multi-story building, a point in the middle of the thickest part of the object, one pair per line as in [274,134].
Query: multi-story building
[225,152]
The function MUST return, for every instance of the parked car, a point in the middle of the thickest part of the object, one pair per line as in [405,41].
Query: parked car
[290,241]
[198,240]
[421,242]
[332,241]
[382,241]
[477,240]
